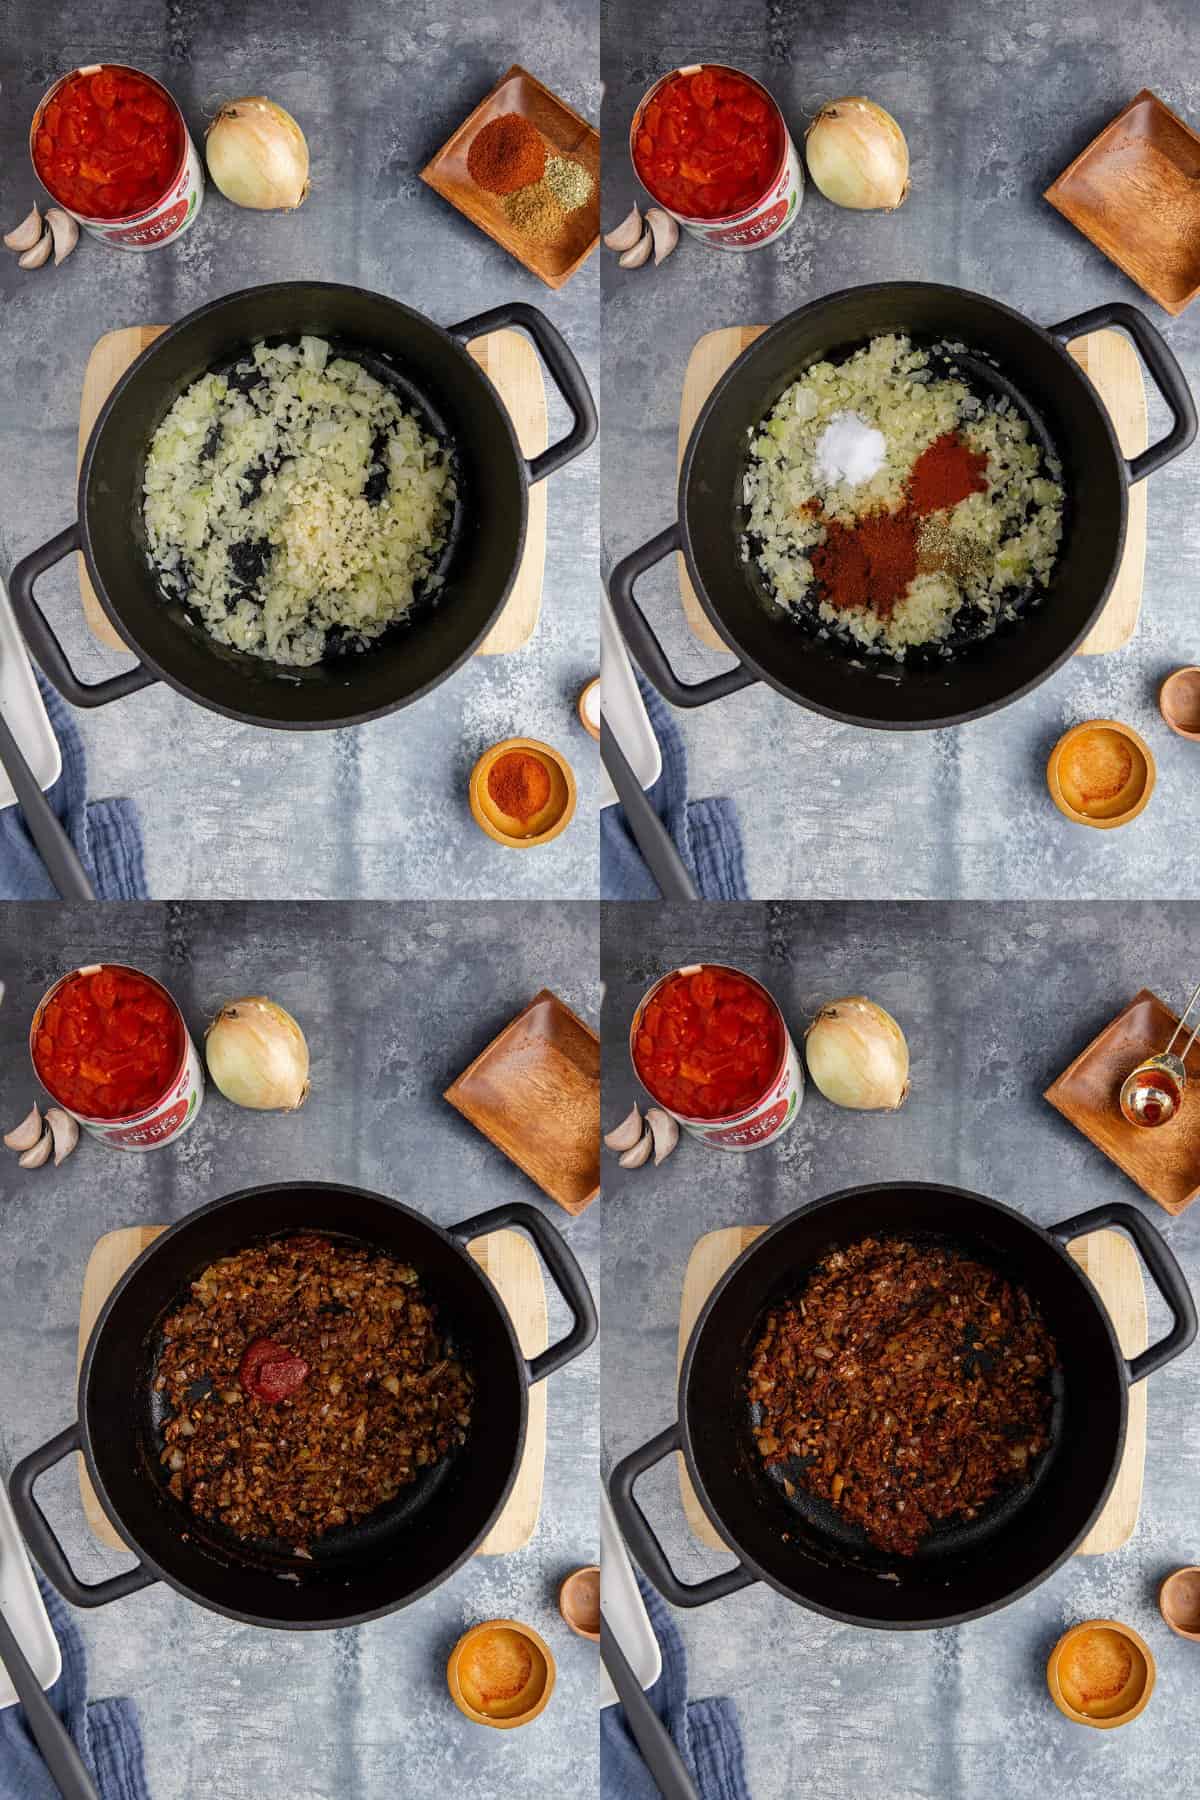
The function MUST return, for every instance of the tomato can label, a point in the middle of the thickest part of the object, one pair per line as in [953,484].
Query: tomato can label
[770,1116]
[170,1115]
[171,215]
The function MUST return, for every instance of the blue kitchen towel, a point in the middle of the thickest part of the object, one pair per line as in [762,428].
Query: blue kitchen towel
[706,1732]
[706,833]
[107,834]
[106,1732]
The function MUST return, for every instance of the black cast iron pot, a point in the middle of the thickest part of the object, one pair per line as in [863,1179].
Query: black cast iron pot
[1032,367]
[801,1546]
[435,375]
[387,1560]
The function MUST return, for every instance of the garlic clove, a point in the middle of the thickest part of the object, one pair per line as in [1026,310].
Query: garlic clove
[633,259]
[25,1135]
[627,1133]
[65,1132]
[627,234]
[33,1159]
[25,235]
[663,230]
[633,1159]
[663,1130]
[64,231]
[33,259]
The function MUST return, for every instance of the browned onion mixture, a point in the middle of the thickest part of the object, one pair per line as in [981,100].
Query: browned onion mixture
[907,1384]
[382,1399]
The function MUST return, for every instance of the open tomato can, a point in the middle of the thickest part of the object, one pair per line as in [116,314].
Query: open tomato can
[112,1021]
[760,1112]
[138,143]
[756,214]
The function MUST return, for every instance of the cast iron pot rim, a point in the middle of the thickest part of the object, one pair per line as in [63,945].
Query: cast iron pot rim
[729,1538]
[780,326]
[85,1436]
[468,364]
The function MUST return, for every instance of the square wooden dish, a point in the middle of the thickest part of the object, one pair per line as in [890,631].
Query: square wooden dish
[566,134]
[1135,192]
[1165,1161]
[535,1094]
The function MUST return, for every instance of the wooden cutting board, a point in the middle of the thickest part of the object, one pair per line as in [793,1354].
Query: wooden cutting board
[1109,1261]
[511,365]
[510,1264]
[1110,363]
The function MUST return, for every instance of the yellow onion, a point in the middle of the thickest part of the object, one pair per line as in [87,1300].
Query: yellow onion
[857,155]
[257,1055]
[257,155]
[857,1055]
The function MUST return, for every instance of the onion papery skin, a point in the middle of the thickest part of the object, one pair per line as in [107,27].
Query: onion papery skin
[258,1055]
[258,155]
[858,1056]
[857,155]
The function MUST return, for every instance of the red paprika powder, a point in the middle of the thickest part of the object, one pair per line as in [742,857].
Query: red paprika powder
[506,155]
[519,784]
[868,564]
[947,471]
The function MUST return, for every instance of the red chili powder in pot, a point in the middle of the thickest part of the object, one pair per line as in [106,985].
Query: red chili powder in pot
[519,784]
[868,564]
[506,155]
[947,471]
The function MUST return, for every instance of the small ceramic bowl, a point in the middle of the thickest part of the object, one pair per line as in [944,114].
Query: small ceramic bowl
[589,702]
[579,1601]
[501,1673]
[1101,773]
[545,825]
[1101,1673]
[1179,702]
[1179,1602]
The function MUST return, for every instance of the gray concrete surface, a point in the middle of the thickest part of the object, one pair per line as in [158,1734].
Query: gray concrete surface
[395,1001]
[995,1002]
[996,99]
[231,811]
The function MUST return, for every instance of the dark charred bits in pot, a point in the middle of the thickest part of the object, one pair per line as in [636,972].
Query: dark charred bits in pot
[908,1385]
[273,1454]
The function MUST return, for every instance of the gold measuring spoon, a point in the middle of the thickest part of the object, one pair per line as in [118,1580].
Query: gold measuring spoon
[1152,1093]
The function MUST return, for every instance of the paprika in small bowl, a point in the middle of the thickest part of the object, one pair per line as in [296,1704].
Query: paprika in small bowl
[522,793]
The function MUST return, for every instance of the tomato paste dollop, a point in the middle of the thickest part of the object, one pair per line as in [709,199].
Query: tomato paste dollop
[708,1043]
[269,1371]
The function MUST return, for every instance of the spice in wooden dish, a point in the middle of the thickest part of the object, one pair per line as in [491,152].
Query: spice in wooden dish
[519,784]
[506,155]
[536,212]
[569,182]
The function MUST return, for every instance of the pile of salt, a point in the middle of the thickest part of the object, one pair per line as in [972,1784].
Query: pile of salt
[848,450]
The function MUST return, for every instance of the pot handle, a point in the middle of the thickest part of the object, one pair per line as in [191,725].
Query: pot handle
[41,639]
[565,1272]
[1168,1278]
[567,375]
[642,640]
[639,1534]
[1168,377]
[37,1532]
